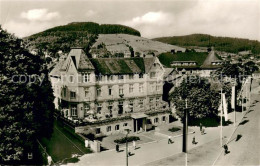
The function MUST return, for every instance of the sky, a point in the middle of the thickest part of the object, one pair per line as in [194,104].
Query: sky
[153,18]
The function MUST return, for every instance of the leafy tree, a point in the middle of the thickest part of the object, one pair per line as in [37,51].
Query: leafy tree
[202,100]
[250,67]
[26,110]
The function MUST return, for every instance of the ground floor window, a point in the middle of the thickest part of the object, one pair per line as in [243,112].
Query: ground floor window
[125,124]
[117,127]
[98,131]
[108,128]
[156,120]
[163,118]
[74,110]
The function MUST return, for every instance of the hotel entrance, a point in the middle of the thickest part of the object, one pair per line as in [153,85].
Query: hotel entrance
[139,122]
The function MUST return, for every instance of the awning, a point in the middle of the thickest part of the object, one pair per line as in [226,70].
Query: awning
[138,115]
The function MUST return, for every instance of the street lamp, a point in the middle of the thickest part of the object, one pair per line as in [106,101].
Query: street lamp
[127,132]
[185,128]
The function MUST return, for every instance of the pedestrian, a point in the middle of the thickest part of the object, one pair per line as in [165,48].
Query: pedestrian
[225,149]
[117,147]
[134,146]
[170,140]
[202,131]
[129,153]
[200,126]
[193,140]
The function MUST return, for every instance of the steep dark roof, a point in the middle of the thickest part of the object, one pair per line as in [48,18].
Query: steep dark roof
[203,60]
[109,66]
[79,59]
[105,66]
[208,61]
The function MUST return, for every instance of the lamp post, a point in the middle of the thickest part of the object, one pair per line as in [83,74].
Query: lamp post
[127,132]
[185,128]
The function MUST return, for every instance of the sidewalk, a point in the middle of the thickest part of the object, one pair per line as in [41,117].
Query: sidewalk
[154,151]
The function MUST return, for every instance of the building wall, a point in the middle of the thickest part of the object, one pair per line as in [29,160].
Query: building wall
[104,128]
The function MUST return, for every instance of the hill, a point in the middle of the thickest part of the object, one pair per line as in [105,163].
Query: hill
[75,34]
[107,45]
[226,44]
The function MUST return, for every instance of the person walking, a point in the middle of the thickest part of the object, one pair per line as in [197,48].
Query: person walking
[170,140]
[200,127]
[193,140]
[117,147]
[225,149]
[134,145]
[128,150]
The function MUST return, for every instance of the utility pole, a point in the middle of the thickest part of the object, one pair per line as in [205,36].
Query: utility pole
[221,112]
[185,128]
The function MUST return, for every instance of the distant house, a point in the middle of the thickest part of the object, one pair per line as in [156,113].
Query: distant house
[199,64]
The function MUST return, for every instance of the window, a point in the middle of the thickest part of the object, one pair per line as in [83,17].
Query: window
[141,87]
[150,100]
[163,118]
[120,107]
[152,86]
[86,91]
[71,78]
[141,103]
[156,120]
[99,77]
[152,75]
[120,77]
[86,108]
[98,131]
[157,87]
[99,108]
[30,156]
[131,105]
[125,124]
[131,76]
[121,90]
[110,107]
[72,95]
[109,90]
[157,99]
[117,127]
[86,77]
[74,110]
[131,88]
[108,128]
[141,75]
[64,92]
[110,78]
[98,91]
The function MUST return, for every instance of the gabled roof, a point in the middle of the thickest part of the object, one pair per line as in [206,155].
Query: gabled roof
[80,60]
[56,70]
[148,62]
[203,60]
[210,58]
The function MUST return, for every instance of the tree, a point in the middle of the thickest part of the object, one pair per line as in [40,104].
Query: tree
[202,101]
[26,110]
[250,67]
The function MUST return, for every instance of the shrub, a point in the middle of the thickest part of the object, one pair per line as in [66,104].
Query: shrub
[174,129]
[129,139]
